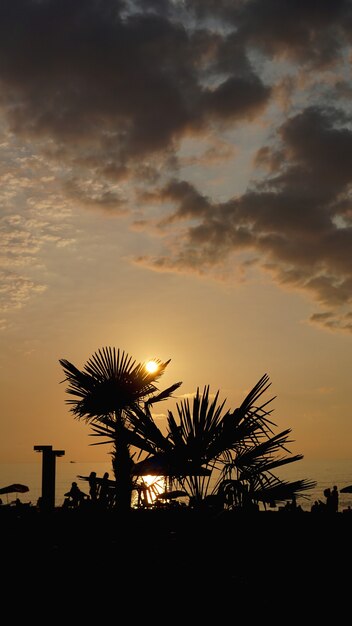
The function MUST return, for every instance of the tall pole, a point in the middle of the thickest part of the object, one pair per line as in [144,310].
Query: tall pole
[48,475]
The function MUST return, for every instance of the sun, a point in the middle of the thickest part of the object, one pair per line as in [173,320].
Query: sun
[151,367]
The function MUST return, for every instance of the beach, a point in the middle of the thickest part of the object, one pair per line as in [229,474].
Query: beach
[326,473]
[266,561]
[174,563]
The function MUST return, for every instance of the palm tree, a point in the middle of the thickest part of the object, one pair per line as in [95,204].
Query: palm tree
[229,455]
[206,452]
[110,386]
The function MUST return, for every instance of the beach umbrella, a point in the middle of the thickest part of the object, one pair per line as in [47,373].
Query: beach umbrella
[346,489]
[171,495]
[160,466]
[15,488]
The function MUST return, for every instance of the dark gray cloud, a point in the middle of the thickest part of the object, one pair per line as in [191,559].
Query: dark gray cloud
[115,86]
[94,195]
[306,30]
[110,87]
[296,224]
[109,90]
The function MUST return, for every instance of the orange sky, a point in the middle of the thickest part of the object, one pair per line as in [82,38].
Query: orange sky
[175,182]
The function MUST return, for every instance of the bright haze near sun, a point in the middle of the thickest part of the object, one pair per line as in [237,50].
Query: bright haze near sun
[151,366]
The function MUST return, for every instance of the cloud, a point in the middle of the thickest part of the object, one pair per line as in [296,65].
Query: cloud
[295,224]
[115,86]
[110,87]
[301,30]
[123,101]
[331,321]
[34,219]
[16,290]
[95,194]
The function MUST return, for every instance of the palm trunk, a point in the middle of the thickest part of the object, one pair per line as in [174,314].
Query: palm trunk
[122,465]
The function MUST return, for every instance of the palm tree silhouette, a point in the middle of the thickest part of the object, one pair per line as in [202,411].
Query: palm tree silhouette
[207,451]
[229,455]
[110,387]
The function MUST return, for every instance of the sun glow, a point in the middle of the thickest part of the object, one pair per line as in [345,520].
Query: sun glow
[149,488]
[151,367]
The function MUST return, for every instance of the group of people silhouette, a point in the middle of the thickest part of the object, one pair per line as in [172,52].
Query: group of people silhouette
[293,506]
[100,493]
[331,504]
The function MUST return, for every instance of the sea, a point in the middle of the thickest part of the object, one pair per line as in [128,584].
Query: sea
[324,473]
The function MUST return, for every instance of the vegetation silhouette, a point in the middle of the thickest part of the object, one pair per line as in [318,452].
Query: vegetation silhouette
[110,387]
[218,457]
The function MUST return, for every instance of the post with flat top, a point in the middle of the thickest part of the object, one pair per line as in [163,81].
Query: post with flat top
[48,475]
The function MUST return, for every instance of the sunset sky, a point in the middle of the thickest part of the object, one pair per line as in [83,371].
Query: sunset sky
[176,182]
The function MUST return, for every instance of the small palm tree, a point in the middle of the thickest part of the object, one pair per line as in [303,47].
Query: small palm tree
[229,455]
[110,386]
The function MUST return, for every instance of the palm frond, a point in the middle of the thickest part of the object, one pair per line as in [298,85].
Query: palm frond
[259,388]
[265,449]
[132,438]
[106,363]
[109,382]
[281,490]
[163,395]
[268,489]
[268,464]
[197,424]
[140,422]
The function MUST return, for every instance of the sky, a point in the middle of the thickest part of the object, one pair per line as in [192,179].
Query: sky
[176,183]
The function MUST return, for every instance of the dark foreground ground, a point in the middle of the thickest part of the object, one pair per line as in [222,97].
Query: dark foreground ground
[164,566]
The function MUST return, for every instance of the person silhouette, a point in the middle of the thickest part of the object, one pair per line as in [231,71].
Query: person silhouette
[334,499]
[75,496]
[93,487]
[327,494]
[104,490]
